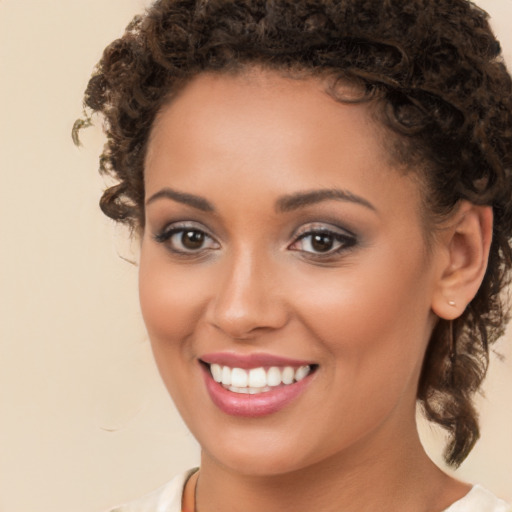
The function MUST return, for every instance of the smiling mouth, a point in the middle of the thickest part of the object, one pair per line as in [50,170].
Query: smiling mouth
[257,380]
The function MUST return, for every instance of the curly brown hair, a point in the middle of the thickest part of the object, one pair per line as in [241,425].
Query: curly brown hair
[436,68]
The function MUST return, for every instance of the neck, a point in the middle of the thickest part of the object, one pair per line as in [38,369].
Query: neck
[399,478]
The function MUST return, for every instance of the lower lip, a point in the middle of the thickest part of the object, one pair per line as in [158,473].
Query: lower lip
[253,406]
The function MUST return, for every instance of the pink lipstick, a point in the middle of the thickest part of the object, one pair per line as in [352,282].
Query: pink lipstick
[253,385]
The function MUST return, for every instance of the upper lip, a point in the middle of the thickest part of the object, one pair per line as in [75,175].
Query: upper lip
[248,361]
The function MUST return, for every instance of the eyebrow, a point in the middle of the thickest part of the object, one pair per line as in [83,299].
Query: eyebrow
[302,199]
[196,202]
[284,204]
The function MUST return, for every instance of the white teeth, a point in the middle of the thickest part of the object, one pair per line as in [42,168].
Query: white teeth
[302,372]
[274,376]
[216,372]
[226,376]
[288,375]
[257,380]
[248,391]
[239,378]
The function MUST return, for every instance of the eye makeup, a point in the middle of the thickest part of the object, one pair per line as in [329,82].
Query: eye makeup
[321,241]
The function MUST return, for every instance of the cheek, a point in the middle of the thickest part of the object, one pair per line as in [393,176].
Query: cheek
[373,315]
[375,330]
[171,305]
[171,298]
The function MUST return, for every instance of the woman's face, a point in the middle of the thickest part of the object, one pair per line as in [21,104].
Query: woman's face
[283,254]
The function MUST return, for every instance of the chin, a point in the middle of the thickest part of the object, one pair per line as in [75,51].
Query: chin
[255,464]
[259,454]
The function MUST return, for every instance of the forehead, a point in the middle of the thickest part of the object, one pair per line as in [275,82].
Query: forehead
[263,134]
[272,110]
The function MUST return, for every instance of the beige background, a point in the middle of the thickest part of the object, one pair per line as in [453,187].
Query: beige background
[84,419]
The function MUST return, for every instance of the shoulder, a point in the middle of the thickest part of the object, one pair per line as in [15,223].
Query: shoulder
[164,499]
[479,499]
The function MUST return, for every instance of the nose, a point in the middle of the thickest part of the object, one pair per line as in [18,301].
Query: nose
[247,299]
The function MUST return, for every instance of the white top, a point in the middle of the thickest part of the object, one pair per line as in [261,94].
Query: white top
[168,499]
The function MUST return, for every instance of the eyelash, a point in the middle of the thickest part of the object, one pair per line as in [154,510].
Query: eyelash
[167,234]
[344,240]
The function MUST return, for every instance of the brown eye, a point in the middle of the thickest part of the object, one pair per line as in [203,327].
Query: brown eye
[186,240]
[192,240]
[322,242]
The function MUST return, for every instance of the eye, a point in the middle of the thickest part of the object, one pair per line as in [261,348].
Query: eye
[320,241]
[186,239]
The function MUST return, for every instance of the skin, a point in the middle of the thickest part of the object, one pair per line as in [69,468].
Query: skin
[364,315]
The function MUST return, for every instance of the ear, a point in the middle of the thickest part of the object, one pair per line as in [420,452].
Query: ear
[463,247]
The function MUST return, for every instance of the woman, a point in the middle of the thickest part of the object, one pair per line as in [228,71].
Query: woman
[322,192]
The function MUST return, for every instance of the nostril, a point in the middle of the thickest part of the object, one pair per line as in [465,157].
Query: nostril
[244,320]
